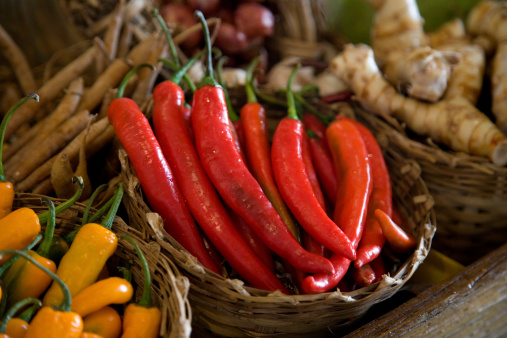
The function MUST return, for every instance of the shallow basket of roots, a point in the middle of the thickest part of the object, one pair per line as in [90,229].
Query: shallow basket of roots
[230,308]
[168,289]
[470,192]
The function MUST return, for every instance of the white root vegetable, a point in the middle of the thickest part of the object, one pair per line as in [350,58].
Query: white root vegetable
[423,72]
[450,32]
[468,75]
[402,50]
[454,122]
[489,18]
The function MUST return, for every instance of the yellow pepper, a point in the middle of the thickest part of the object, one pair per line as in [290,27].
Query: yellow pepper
[91,248]
[142,319]
[18,229]
[17,327]
[105,322]
[112,290]
[49,322]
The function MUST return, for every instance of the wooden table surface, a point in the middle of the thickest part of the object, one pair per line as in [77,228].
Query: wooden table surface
[473,303]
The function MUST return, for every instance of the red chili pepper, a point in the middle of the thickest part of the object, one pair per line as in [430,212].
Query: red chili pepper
[157,180]
[255,242]
[310,170]
[399,240]
[364,275]
[321,156]
[379,267]
[231,177]
[295,186]
[381,197]
[351,156]
[200,195]
[258,151]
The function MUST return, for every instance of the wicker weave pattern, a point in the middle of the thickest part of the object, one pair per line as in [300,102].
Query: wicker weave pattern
[169,288]
[226,307]
[470,193]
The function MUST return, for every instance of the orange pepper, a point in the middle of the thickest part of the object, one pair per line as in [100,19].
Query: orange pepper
[105,321]
[90,335]
[24,279]
[49,322]
[18,229]
[141,319]
[112,290]
[399,240]
[17,327]
[6,187]
[91,248]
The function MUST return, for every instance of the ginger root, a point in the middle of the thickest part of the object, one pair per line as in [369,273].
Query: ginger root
[488,18]
[454,122]
[403,53]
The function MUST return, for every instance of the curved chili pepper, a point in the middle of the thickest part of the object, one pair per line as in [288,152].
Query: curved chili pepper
[296,188]
[142,319]
[381,197]
[200,195]
[364,275]
[105,322]
[321,156]
[310,170]
[156,176]
[399,240]
[258,150]
[112,290]
[255,242]
[16,327]
[49,322]
[6,187]
[351,157]
[379,267]
[231,177]
[87,255]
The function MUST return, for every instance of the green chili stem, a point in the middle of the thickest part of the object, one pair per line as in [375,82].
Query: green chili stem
[291,103]
[168,36]
[4,267]
[67,298]
[44,246]
[249,86]
[146,296]
[123,83]
[183,70]
[3,127]
[43,217]
[209,79]
[90,202]
[186,78]
[27,314]
[118,195]
[326,119]
[15,308]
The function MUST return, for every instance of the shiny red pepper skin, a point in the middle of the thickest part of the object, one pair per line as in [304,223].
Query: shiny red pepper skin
[239,189]
[258,153]
[310,171]
[381,197]
[135,134]
[200,194]
[297,191]
[321,156]
[351,156]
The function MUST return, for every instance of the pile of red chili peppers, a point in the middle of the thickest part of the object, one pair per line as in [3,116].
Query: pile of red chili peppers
[317,198]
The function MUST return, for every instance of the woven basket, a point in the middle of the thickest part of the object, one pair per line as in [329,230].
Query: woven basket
[169,288]
[470,192]
[226,307]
